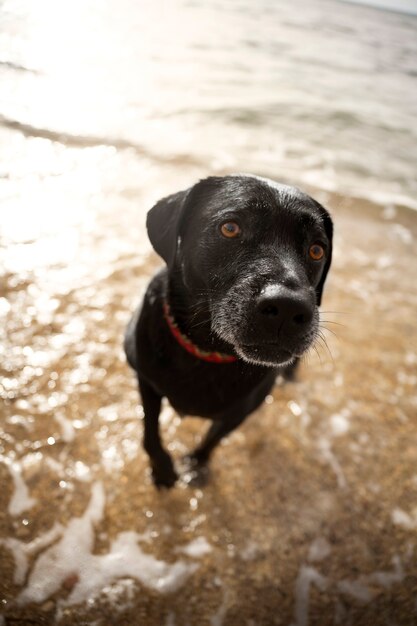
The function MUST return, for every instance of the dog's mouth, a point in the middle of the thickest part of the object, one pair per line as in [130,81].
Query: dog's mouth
[269,354]
[269,351]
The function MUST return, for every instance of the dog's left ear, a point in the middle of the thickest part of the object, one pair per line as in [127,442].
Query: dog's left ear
[162,224]
[328,227]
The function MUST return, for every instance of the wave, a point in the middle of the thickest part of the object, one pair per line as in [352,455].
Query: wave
[79,141]
[92,141]
[15,66]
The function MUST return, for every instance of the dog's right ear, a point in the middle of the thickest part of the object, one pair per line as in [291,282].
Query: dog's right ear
[163,222]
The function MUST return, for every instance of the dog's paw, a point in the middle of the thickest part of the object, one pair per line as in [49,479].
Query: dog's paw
[164,480]
[163,473]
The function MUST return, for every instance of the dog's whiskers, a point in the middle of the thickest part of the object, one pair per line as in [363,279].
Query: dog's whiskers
[314,347]
[331,322]
[200,323]
[322,338]
[329,330]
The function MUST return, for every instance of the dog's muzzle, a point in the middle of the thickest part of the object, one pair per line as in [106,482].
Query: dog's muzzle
[276,327]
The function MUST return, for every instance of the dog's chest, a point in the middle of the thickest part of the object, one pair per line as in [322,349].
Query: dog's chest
[195,387]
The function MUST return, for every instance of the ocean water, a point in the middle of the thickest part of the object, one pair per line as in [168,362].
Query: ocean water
[320,93]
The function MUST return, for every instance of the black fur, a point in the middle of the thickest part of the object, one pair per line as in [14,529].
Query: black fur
[254,296]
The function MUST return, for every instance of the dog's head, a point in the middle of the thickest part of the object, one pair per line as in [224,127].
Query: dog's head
[253,252]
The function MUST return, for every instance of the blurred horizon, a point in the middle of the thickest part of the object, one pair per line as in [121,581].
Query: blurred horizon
[399,6]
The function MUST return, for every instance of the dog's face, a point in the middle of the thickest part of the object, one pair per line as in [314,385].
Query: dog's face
[255,254]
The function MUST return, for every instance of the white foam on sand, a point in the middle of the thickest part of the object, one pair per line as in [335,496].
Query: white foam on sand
[20,500]
[307,576]
[325,448]
[196,548]
[319,549]
[70,562]
[22,551]
[218,618]
[406,520]
[120,593]
[339,424]
[67,428]
[363,588]
[357,590]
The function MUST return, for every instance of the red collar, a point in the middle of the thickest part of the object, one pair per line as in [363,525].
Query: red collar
[211,357]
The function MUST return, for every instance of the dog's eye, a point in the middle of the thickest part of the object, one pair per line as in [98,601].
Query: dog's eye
[316,252]
[230,229]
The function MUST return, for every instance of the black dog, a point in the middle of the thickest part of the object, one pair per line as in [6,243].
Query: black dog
[236,305]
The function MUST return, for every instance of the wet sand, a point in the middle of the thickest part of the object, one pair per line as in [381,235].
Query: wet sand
[309,516]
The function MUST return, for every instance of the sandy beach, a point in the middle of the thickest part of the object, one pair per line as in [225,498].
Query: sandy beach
[309,515]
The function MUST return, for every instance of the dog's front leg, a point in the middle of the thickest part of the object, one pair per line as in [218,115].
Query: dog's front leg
[219,429]
[163,472]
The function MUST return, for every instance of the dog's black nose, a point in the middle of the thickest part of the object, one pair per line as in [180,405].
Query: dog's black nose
[284,308]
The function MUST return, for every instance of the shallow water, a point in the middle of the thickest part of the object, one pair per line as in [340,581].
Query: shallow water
[325,95]
[310,513]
